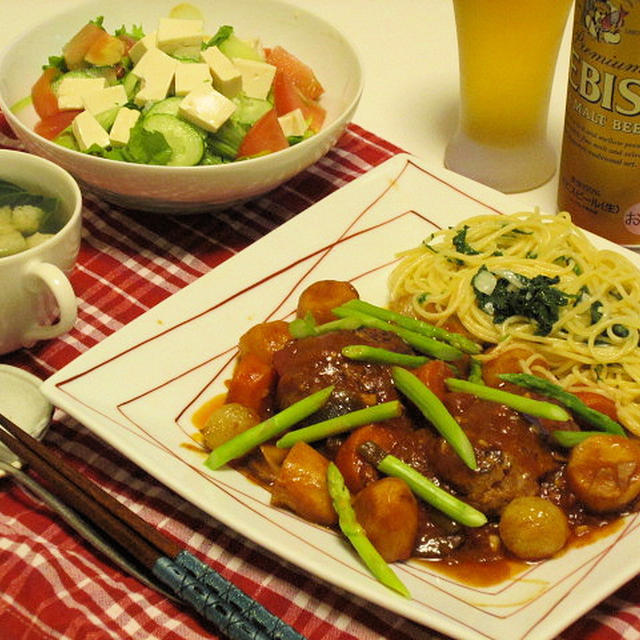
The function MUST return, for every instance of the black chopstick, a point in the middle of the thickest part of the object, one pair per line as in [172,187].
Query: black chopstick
[194,582]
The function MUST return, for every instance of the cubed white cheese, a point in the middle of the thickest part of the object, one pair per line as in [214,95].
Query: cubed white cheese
[257,77]
[226,77]
[142,46]
[71,90]
[293,123]
[178,32]
[122,125]
[156,71]
[154,63]
[104,99]
[190,75]
[206,108]
[152,91]
[88,131]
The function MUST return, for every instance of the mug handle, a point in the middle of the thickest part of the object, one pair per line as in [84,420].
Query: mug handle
[61,289]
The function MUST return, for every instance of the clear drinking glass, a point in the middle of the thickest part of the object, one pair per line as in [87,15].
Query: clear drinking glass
[507,56]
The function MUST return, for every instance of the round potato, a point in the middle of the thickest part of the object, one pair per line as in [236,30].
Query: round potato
[321,297]
[604,472]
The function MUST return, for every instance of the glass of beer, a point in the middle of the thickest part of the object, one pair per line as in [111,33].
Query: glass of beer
[507,56]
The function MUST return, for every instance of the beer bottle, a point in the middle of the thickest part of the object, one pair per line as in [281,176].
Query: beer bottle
[599,177]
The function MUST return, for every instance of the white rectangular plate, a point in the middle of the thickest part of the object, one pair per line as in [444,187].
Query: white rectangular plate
[138,389]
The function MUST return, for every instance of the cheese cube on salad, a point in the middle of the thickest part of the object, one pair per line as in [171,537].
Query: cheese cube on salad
[88,131]
[227,78]
[190,75]
[156,69]
[257,77]
[102,100]
[142,46]
[154,63]
[178,32]
[293,124]
[122,125]
[71,91]
[206,108]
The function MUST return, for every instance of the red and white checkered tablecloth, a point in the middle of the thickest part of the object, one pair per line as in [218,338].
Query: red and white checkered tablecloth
[52,584]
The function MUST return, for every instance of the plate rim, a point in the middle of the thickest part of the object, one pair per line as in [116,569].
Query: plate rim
[378,174]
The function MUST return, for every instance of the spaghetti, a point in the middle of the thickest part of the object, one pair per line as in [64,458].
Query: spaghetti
[591,295]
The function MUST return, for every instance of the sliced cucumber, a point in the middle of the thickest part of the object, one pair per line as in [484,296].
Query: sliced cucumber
[107,118]
[67,139]
[250,110]
[187,53]
[168,106]
[131,83]
[233,47]
[186,143]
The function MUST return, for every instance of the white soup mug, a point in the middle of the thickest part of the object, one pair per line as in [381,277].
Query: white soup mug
[37,301]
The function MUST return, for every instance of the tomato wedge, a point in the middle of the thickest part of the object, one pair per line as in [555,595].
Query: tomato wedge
[55,124]
[301,74]
[288,97]
[75,50]
[44,100]
[265,136]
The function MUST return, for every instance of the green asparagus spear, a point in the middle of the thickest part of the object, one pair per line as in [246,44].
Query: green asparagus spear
[519,403]
[475,371]
[366,353]
[419,326]
[433,409]
[356,534]
[305,327]
[572,438]
[423,487]
[256,435]
[340,424]
[572,402]
[422,343]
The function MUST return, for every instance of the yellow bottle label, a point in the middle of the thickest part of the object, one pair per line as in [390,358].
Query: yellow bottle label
[599,181]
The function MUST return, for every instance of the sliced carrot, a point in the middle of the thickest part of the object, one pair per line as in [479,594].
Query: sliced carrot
[599,403]
[433,375]
[252,384]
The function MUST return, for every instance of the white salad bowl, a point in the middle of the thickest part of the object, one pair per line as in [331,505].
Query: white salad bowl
[166,189]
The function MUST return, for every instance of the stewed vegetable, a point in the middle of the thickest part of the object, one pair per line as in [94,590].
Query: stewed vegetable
[533,528]
[437,457]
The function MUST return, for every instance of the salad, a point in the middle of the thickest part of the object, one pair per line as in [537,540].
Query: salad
[175,96]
